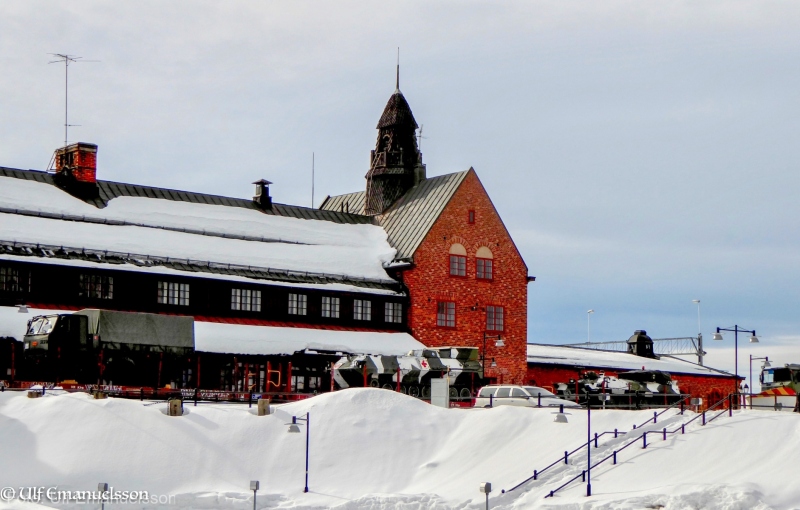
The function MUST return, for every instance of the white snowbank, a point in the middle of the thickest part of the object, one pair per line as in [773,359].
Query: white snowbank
[301,245]
[262,340]
[377,449]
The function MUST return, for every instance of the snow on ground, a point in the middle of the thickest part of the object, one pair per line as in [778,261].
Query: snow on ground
[376,449]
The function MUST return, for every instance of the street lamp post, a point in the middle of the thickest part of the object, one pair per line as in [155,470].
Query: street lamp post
[103,489]
[295,428]
[765,365]
[700,352]
[498,342]
[588,447]
[736,330]
[589,326]
[254,487]
[486,488]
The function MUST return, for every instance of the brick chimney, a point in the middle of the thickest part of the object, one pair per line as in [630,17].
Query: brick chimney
[77,162]
[76,170]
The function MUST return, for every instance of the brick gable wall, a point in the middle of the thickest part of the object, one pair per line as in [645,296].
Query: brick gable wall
[429,282]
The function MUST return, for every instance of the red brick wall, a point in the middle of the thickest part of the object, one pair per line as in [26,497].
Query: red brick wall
[709,388]
[86,163]
[430,281]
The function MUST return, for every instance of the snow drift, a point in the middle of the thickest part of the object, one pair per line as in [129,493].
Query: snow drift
[376,449]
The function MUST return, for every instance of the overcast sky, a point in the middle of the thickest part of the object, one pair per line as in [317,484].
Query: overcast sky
[642,154]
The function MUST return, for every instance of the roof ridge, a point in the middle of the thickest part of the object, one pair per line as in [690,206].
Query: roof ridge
[420,183]
[114,189]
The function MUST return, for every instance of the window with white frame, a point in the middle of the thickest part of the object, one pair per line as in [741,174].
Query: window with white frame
[446,314]
[298,304]
[330,307]
[96,286]
[494,318]
[362,309]
[246,299]
[393,312]
[171,293]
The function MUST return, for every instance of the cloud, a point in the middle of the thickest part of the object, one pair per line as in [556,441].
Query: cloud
[641,154]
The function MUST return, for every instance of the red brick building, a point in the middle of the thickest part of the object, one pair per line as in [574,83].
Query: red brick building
[551,364]
[466,280]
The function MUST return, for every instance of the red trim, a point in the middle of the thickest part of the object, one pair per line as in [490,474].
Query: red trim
[455,315]
[491,261]
[487,318]
[449,263]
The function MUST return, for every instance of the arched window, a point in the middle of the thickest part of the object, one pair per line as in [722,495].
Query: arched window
[484,269]
[458,260]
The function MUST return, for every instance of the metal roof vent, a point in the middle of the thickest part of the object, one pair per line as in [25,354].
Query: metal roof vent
[641,345]
[262,198]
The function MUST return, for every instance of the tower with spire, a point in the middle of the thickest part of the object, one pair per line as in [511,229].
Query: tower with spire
[396,163]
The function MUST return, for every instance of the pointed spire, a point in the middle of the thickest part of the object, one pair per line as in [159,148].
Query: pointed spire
[397,113]
[397,80]
[396,163]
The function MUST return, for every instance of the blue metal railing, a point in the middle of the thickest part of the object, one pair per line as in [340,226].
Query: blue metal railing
[664,432]
[565,459]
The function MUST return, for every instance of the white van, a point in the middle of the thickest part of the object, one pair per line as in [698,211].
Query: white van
[513,395]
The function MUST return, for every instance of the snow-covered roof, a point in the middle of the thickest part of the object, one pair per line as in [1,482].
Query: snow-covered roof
[591,358]
[36,212]
[408,220]
[263,340]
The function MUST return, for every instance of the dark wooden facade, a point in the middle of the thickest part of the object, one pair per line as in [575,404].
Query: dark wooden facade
[58,287]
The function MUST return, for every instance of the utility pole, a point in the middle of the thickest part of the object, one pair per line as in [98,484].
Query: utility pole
[700,352]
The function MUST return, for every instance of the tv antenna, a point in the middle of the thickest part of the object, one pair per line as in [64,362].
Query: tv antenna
[63,57]
[420,137]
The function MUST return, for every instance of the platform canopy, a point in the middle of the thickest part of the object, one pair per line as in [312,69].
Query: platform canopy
[270,340]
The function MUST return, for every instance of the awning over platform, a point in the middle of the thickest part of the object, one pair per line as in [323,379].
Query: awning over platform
[255,340]
[263,340]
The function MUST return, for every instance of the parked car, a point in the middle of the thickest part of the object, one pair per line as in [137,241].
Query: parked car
[513,395]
